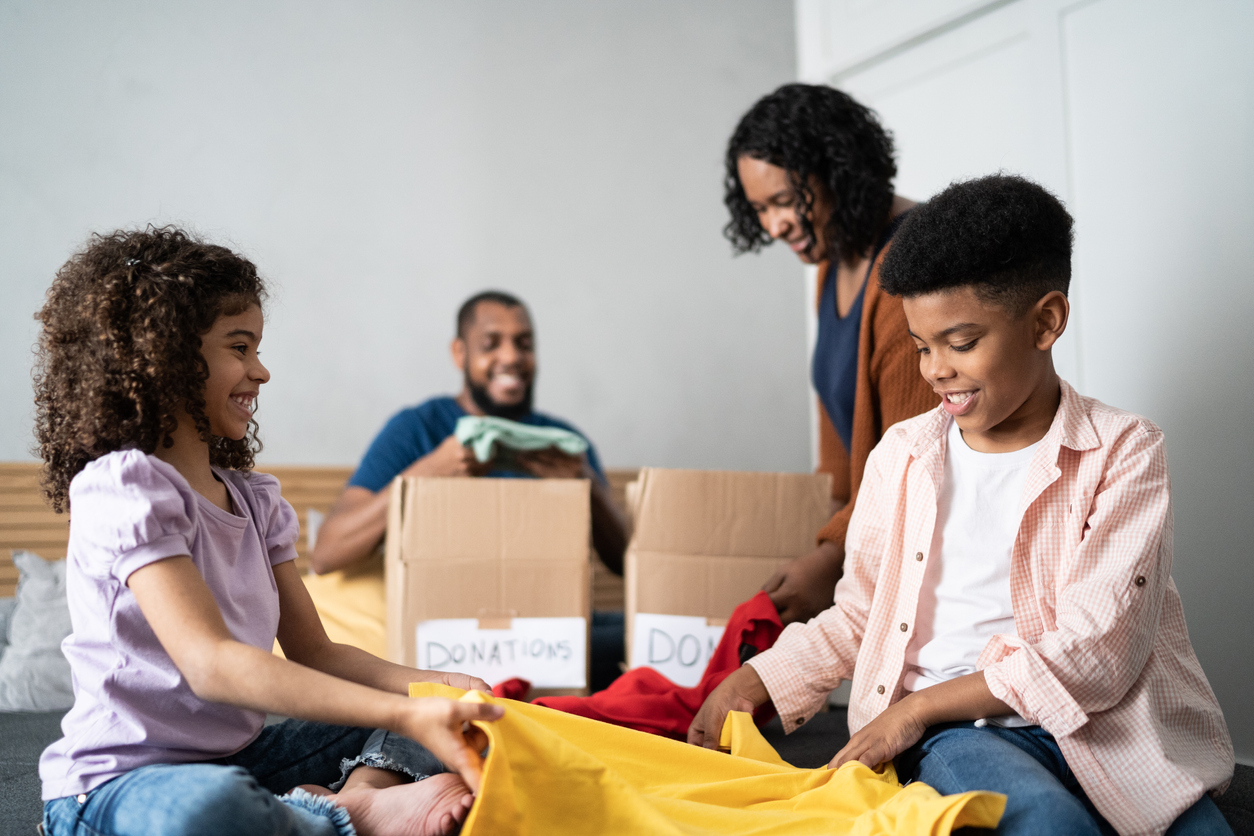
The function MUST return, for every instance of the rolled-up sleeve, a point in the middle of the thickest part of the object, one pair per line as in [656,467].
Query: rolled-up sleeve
[1109,603]
[811,659]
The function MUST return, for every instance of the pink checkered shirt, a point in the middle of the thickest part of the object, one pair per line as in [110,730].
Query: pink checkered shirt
[1101,657]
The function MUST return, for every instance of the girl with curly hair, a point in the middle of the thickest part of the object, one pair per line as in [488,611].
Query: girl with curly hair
[810,166]
[180,578]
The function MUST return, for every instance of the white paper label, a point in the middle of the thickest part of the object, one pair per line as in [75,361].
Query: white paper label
[676,646]
[547,652]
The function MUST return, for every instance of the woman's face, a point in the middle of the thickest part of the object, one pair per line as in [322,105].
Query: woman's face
[770,193]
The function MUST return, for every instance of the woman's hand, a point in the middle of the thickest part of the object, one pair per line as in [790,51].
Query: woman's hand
[804,588]
[443,726]
[885,737]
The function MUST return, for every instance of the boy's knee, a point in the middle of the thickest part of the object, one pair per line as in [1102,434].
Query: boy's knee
[1046,809]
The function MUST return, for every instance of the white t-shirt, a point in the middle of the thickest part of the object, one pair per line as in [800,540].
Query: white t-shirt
[965,597]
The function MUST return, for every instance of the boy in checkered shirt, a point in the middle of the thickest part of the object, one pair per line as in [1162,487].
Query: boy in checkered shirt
[1007,613]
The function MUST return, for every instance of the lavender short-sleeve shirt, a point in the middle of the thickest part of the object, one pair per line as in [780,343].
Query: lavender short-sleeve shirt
[132,707]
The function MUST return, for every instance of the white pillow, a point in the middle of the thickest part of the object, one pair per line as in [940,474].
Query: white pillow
[313,521]
[34,673]
[6,610]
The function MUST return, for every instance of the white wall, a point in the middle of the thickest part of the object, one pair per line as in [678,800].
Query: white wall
[1140,114]
[381,161]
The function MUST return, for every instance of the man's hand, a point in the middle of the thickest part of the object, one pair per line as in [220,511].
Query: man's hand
[451,458]
[552,463]
[805,587]
[885,737]
[443,726]
[742,691]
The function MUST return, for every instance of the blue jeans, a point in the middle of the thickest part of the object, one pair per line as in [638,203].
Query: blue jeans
[240,794]
[1026,765]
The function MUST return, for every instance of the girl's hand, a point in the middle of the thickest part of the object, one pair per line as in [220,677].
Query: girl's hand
[443,726]
[461,680]
[885,737]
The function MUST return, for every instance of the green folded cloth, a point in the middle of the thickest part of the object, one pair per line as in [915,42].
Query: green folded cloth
[483,434]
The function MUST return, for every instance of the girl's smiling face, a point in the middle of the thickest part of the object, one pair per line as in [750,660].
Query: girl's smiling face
[235,371]
[993,370]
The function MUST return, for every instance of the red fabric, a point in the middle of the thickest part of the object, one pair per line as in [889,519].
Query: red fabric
[644,700]
[512,689]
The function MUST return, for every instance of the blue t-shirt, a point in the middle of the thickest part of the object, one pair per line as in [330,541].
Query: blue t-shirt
[413,433]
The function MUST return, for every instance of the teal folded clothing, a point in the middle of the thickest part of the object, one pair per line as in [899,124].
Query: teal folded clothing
[484,434]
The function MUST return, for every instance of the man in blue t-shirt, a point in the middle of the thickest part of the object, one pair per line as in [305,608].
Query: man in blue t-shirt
[495,349]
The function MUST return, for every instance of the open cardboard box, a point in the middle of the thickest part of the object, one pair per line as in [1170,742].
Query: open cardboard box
[491,577]
[705,542]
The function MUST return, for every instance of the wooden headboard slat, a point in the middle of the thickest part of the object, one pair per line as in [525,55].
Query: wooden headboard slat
[26,521]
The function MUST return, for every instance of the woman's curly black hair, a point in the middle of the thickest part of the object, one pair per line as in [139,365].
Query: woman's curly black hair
[1003,235]
[119,357]
[816,134]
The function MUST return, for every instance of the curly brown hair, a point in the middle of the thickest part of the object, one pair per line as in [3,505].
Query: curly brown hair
[119,357]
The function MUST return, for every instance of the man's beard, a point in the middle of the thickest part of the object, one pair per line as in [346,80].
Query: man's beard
[479,394]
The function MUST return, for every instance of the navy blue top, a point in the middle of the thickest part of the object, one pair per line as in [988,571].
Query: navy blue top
[834,368]
[413,433]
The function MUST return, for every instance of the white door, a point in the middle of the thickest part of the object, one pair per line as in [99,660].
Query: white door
[1140,115]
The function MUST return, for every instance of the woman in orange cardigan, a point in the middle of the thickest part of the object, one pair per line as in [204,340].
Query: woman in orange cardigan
[810,166]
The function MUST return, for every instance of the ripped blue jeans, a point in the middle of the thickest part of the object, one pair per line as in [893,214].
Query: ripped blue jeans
[249,793]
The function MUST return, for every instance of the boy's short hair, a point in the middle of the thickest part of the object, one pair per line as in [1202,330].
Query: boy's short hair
[1003,235]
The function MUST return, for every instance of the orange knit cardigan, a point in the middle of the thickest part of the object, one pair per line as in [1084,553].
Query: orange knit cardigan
[888,389]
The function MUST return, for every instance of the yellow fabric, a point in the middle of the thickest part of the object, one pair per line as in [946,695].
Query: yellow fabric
[552,773]
[352,606]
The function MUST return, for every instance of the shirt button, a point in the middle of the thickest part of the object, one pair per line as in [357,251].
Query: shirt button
[879,689]
[1140,581]
[800,720]
[81,799]
[918,555]
[904,628]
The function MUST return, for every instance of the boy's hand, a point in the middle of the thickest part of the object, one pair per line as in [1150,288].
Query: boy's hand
[742,691]
[804,588]
[552,463]
[443,726]
[885,737]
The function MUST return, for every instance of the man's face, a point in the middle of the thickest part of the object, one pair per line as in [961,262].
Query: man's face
[499,359]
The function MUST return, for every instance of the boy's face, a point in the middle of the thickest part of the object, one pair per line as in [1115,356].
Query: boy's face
[992,369]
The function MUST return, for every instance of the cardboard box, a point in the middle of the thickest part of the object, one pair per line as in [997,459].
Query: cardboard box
[494,573]
[704,542]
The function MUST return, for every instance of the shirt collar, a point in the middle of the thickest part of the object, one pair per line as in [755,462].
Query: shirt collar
[1072,427]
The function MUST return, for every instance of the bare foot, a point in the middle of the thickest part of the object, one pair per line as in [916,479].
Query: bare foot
[430,807]
[314,789]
